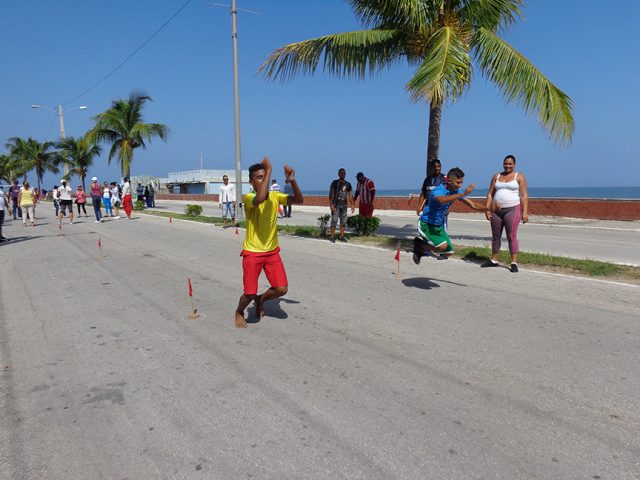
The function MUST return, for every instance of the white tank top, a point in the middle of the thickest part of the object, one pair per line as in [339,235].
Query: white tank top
[507,194]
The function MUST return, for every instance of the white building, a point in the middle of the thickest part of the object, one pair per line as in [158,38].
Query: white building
[203,181]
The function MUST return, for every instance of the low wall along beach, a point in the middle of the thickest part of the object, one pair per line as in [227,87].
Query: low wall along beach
[560,207]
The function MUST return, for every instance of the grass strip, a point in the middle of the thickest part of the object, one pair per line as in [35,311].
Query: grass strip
[590,268]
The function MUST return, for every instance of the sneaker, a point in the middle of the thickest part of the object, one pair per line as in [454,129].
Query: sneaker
[70,223]
[101,220]
[96,221]
[332,240]
[514,268]
[490,263]
[342,239]
[116,217]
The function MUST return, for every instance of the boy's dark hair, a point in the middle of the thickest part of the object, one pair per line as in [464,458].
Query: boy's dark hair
[455,172]
[253,169]
[511,157]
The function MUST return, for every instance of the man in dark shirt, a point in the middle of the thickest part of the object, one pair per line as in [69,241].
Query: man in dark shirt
[339,197]
[14,192]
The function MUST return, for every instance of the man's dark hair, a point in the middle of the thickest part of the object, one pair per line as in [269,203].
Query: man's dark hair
[455,172]
[511,157]
[253,169]
[341,170]
[435,160]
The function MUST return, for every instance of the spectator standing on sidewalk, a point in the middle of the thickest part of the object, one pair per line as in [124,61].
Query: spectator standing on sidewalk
[14,191]
[127,203]
[106,199]
[115,198]
[56,199]
[339,198]
[227,201]
[288,189]
[366,190]
[4,205]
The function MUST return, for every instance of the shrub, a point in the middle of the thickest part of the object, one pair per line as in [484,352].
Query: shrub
[138,205]
[323,223]
[193,210]
[363,225]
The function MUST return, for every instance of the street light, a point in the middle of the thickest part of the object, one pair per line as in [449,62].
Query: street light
[60,113]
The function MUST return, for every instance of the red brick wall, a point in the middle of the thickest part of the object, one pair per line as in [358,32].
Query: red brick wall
[578,208]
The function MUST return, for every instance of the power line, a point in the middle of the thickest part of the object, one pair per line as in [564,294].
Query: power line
[144,44]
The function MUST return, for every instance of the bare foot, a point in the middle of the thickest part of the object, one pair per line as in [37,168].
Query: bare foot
[259,308]
[240,321]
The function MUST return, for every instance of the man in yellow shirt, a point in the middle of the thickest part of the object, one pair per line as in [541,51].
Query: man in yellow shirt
[260,250]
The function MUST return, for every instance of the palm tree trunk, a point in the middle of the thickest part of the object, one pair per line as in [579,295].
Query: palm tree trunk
[433,147]
[83,178]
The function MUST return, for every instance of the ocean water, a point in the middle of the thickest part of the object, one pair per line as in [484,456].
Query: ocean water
[534,192]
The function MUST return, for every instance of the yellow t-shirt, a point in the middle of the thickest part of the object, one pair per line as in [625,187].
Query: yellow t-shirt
[27,197]
[262,222]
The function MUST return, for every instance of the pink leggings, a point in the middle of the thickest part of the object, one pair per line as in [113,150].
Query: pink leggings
[509,219]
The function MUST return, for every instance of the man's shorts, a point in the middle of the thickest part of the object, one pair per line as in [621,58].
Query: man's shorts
[253,263]
[435,235]
[340,212]
[365,209]
[64,204]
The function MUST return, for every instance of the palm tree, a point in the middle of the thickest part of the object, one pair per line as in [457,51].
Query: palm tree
[35,155]
[122,126]
[5,169]
[445,40]
[79,154]
[18,162]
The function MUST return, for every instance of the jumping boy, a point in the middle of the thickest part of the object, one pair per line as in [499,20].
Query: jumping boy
[433,236]
[260,250]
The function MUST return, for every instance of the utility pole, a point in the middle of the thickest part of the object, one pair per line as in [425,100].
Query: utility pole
[236,99]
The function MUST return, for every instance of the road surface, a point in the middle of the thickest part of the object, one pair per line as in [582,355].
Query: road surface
[448,372]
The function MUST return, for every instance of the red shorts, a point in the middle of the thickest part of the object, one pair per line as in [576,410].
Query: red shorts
[253,263]
[366,209]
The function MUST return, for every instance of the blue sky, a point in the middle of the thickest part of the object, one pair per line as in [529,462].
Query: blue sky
[53,51]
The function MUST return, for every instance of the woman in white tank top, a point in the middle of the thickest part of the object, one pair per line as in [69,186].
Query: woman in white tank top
[508,204]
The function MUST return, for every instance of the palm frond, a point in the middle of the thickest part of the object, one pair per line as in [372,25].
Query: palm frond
[491,14]
[520,81]
[446,70]
[410,14]
[350,54]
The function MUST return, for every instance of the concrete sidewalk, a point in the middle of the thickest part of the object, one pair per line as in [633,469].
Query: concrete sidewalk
[606,240]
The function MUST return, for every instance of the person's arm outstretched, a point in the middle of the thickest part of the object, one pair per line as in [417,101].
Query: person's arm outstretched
[262,192]
[455,196]
[290,174]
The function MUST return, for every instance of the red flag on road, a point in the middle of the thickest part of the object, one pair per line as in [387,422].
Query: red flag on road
[99,242]
[170,219]
[190,288]
[237,231]
[397,257]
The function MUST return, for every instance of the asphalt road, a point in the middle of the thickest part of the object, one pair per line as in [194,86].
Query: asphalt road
[611,241]
[448,372]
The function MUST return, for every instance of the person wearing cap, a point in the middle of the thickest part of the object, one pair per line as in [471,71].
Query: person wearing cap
[66,202]
[96,198]
[55,197]
[14,191]
[366,190]
[4,205]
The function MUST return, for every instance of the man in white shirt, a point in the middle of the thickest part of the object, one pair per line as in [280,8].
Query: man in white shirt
[64,194]
[227,200]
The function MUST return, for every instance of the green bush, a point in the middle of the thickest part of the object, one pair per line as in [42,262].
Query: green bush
[193,210]
[363,225]
[139,205]
[323,223]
